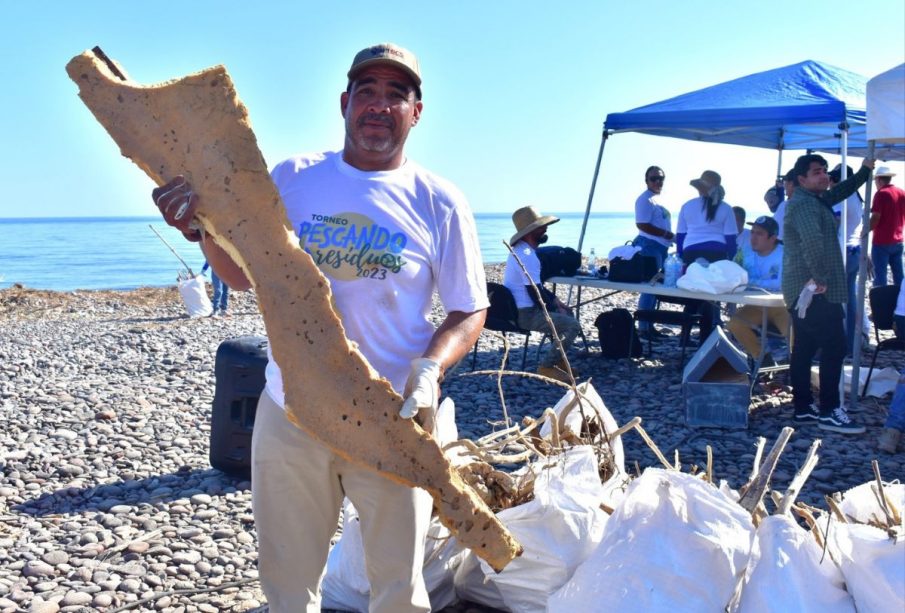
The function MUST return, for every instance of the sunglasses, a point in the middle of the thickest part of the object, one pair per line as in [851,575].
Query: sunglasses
[656,179]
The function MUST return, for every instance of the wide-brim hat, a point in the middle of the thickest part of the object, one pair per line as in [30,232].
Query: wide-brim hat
[709,179]
[884,171]
[527,219]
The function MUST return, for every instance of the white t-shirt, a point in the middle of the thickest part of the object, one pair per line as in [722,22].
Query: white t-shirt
[693,222]
[514,278]
[649,210]
[779,215]
[386,241]
[853,210]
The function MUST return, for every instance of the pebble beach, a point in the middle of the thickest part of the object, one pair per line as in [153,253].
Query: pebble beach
[107,498]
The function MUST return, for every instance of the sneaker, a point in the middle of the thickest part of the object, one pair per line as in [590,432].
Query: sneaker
[839,421]
[809,415]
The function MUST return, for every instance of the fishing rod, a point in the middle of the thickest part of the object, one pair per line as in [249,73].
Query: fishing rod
[191,274]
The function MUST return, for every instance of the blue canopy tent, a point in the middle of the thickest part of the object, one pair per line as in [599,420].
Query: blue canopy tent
[809,105]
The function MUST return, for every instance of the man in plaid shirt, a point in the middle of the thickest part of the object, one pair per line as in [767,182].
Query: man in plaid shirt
[813,259]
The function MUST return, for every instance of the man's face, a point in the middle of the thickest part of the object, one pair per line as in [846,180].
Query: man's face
[379,110]
[816,179]
[654,180]
[761,241]
[771,199]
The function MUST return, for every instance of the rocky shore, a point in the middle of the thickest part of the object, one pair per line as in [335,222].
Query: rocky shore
[107,499]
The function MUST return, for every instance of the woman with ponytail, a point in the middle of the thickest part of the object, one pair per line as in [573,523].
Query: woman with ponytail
[706,230]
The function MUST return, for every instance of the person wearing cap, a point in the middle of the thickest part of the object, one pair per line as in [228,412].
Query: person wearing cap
[813,272]
[887,220]
[387,234]
[706,230]
[853,206]
[530,233]
[654,234]
[761,257]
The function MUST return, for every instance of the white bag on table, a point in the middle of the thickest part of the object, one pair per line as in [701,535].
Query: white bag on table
[676,543]
[722,277]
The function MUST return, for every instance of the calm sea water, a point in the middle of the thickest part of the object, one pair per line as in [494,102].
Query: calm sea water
[123,252]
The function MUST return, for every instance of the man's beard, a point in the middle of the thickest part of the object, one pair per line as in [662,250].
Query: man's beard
[376,144]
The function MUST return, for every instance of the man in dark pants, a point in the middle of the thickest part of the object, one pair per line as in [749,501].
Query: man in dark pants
[814,289]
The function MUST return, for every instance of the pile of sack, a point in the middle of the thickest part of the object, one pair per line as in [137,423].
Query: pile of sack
[663,541]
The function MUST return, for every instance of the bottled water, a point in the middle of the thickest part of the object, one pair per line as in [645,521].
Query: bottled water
[672,268]
[592,263]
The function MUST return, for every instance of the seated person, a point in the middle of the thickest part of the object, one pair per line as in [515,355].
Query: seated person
[761,257]
[531,231]
[891,434]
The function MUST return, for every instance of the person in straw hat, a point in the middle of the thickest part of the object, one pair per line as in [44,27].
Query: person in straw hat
[531,232]
[887,221]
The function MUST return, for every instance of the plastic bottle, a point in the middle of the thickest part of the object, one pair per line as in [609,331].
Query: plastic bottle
[592,263]
[672,268]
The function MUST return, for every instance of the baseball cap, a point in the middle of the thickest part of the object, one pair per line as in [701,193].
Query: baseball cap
[767,223]
[391,54]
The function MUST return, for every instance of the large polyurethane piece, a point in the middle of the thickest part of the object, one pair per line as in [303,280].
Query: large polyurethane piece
[198,127]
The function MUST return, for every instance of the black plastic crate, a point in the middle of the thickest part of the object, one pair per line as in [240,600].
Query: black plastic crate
[239,373]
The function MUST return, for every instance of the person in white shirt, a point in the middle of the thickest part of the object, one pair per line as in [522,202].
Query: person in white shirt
[389,235]
[744,234]
[761,257]
[531,232]
[654,234]
[851,235]
[706,230]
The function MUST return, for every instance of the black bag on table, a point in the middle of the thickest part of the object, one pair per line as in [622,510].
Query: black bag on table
[615,329]
[558,262]
[639,269]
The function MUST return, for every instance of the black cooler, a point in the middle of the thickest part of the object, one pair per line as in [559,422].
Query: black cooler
[239,373]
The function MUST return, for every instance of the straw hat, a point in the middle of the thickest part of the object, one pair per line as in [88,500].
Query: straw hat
[884,171]
[526,220]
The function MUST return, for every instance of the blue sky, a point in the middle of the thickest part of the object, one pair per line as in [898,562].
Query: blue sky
[515,93]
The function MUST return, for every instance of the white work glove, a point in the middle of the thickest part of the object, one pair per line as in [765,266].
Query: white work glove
[422,388]
[804,298]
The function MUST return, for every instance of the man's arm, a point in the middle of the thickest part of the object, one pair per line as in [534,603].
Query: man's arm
[655,231]
[455,336]
[227,270]
[846,188]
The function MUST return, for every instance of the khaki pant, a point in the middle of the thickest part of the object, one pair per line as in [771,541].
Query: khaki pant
[749,318]
[532,318]
[298,486]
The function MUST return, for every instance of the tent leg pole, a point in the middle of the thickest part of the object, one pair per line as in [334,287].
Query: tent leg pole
[587,211]
[862,281]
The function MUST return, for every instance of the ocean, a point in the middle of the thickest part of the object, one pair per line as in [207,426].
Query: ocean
[123,253]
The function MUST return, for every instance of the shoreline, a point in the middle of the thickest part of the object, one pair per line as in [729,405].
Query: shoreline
[106,493]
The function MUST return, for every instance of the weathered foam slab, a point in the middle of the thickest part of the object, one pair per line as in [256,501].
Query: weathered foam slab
[198,127]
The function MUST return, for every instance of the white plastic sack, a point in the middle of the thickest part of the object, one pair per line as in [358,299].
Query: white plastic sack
[873,565]
[675,543]
[785,573]
[559,528]
[861,505]
[573,419]
[721,277]
[194,295]
[346,586]
[882,382]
